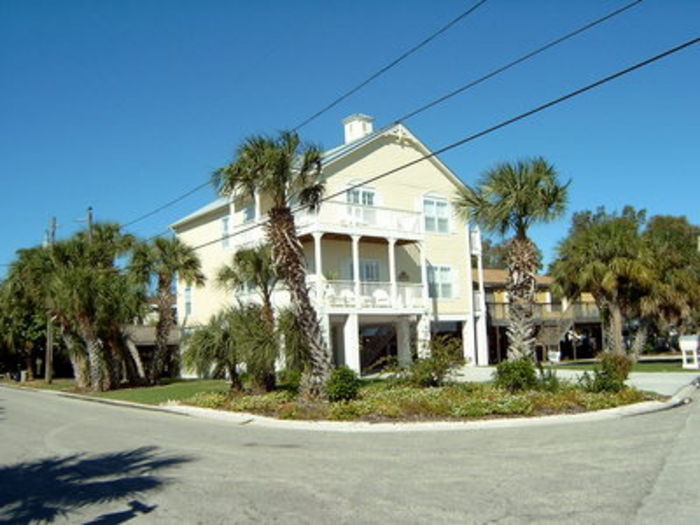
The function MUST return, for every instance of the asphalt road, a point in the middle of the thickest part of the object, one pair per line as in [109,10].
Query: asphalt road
[82,462]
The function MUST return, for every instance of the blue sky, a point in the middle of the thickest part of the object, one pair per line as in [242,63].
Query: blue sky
[124,105]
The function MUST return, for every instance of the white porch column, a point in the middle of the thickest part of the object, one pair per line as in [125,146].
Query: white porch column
[423,335]
[258,207]
[392,270]
[468,341]
[423,270]
[356,267]
[351,335]
[468,334]
[318,264]
[403,342]
[481,339]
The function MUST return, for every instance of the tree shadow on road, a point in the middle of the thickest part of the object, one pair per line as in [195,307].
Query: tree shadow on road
[43,490]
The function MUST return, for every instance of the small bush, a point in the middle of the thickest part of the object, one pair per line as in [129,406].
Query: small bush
[343,384]
[516,375]
[609,376]
[548,380]
[431,371]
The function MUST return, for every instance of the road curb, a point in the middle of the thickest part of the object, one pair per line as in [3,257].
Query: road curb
[682,397]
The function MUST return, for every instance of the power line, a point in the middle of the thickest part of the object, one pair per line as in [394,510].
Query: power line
[166,205]
[335,102]
[479,134]
[390,65]
[517,61]
[442,98]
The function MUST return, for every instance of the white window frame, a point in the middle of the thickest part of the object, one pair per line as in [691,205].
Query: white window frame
[188,300]
[249,213]
[441,282]
[437,203]
[368,268]
[225,224]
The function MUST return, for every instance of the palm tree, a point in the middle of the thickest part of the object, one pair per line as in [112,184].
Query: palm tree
[212,349]
[287,172]
[252,267]
[511,198]
[165,260]
[604,256]
[91,295]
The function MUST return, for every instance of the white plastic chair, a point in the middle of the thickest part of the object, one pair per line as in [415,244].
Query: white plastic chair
[381,298]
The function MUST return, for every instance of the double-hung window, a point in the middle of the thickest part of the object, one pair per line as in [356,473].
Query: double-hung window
[361,202]
[249,212]
[224,232]
[369,270]
[437,215]
[188,300]
[440,282]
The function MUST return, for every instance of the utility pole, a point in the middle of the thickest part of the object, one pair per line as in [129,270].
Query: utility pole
[48,365]
[89,223]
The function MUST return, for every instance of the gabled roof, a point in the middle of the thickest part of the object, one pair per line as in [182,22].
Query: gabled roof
[335,154]
[218,204]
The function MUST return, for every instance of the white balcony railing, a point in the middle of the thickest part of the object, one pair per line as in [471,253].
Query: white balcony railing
[342,217]
[355,216]
[372,295]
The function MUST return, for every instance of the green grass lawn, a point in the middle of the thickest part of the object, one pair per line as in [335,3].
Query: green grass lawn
[642,366]
[175,390]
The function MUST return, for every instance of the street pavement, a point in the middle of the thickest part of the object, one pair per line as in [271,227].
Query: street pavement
[83,462]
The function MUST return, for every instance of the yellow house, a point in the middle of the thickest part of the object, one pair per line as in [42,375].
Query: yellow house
[388,261]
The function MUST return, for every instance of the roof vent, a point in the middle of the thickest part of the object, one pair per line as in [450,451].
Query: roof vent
[357,126]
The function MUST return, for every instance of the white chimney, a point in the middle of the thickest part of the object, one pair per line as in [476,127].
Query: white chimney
[357,126]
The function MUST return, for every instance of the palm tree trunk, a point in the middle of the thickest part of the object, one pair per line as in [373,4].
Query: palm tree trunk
[521,284]
[163,326]
[135,357]
[95,363]
[289,260]
[78,362]
[616,328]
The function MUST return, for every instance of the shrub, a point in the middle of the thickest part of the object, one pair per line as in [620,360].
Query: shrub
[516,375]
[343,384]
[609,376]
[431,371]
[548,380]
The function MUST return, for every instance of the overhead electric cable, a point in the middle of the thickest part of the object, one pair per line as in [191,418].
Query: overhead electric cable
[477,135]
[442,98]
[391,64]
[166,205]
[335,102]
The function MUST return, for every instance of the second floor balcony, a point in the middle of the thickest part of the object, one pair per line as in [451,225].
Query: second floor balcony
[579,312]
[350,218]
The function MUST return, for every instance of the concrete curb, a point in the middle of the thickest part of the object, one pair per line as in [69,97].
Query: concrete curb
[683,396]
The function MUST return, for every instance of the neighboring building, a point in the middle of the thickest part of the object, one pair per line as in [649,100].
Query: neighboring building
[388,262]
[574,328]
